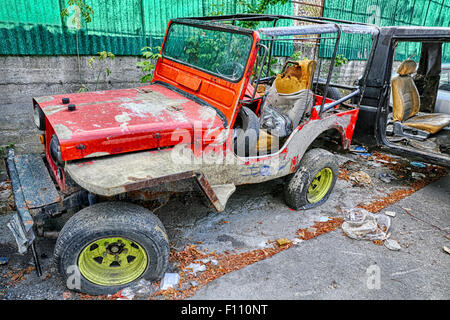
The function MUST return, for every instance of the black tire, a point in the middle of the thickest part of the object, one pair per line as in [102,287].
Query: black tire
[333,93]
[112,219]
[297,184]
[247,133]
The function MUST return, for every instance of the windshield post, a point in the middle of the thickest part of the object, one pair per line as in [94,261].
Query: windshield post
[263,61]
[330,69]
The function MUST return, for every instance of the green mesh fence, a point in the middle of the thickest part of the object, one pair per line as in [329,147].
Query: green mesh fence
[386,13]
[35,27]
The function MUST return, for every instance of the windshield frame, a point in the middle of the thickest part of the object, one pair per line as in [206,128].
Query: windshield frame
[215,27]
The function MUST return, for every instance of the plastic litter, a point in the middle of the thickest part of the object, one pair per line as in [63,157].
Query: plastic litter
[213,261]
[170,280]
[360,177]
[283,241]
[4,260]
[417,164]
[365,154]
[358,149]
[126,294]
[390,213]
[392,245]
[360,224]
[418,175]
[196,267]
[446,249]
[386,177]
[142,288]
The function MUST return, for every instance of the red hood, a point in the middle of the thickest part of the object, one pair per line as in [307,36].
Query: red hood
[118,121]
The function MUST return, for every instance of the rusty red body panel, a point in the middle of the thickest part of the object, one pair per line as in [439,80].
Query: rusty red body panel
[119,121]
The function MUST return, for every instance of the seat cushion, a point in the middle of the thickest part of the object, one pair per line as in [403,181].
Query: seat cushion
[296,77]
[431,123]
[406,102]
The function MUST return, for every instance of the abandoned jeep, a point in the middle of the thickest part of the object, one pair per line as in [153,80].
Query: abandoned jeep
[215,116]
[405,108]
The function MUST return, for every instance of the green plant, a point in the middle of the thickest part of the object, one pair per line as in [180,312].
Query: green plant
[6,147]
[272,72]
[259,7]
[85,10]
[340,60]
[217,9]
[297,56]
[147,66]
[102,56]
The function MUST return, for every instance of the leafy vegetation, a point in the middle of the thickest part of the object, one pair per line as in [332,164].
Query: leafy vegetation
[102,56]
[86,11]
[147,66]
[258,8]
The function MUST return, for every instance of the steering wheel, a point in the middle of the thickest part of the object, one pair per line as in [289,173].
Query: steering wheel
[230,69]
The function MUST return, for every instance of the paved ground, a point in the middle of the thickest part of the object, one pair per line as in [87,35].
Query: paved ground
[330,266]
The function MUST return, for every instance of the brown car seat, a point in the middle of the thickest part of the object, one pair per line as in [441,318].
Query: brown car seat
[296,77]
[406,105]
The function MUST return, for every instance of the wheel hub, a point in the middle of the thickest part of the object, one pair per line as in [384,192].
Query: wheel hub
[320,185]
[115,248]
[112,261]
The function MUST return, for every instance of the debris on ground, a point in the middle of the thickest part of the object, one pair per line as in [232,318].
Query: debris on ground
[417,164]
[360,151]
[17,276]
[3,260]
[386,177]
[126,294]
[392,244]
[283,241]
[360,178]
[360,224]
[390,213]
[195,267]
[418,175]
[142,289]
[319,228]
[446,249]
[6,197]
[170,280]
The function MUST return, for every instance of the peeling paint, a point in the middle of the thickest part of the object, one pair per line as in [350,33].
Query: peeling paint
[63,132]
[97,154]
[43,99]
[53,109]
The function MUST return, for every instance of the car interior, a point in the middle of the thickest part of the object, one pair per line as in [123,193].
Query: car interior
[414,120]
[283,102]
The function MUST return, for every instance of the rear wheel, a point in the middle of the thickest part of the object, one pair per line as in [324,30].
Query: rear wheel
[313,182]
[110,246]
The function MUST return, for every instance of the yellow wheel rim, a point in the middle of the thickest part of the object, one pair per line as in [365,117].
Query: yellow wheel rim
[320,185]
[112,261]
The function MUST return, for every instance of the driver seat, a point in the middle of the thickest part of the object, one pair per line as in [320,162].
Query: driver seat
[406,105]
[290,94]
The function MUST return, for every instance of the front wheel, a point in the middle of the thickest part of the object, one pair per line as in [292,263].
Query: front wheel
[109,246]
[313,182]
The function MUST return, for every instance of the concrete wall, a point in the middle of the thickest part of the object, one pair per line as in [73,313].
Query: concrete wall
[24,77]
